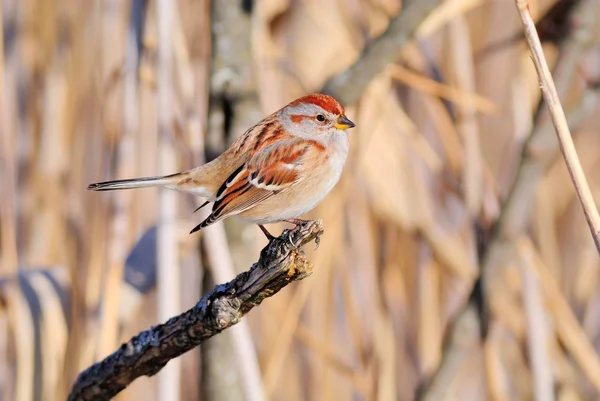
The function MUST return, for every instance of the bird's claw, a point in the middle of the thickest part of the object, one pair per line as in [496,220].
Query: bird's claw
[298,222]
[292,241]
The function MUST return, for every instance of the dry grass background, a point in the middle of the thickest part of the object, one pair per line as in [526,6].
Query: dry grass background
[431,165]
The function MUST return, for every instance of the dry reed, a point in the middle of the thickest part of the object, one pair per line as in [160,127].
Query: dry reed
[449,157]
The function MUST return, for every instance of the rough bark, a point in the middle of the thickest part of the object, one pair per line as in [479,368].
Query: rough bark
[280,263]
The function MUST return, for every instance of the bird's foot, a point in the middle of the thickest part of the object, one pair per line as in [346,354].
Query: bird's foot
[299,222]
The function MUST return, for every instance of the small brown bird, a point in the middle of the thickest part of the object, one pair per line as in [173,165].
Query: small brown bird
[276,171]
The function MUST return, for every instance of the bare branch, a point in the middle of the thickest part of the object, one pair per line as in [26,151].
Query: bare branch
[280,263]
[348,85]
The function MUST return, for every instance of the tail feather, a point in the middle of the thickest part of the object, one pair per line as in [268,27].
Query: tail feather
[143,182]
[211,219]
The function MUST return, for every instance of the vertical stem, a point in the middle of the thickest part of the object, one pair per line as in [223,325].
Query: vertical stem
[464,74]
[222,270]
[119,239]
[8,242]
[231,29]
[168,268]
[560,122]
[8,246]
[537,331]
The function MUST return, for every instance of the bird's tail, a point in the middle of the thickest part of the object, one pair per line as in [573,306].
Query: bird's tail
[143,182]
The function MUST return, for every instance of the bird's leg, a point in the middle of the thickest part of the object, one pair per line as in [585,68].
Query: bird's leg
[266,232]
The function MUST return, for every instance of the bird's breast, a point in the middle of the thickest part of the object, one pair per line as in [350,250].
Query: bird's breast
[318,179]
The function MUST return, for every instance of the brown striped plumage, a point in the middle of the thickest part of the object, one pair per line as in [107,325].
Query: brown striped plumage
[277,170]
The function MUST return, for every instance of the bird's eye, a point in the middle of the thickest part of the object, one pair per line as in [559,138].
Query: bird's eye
[320,118]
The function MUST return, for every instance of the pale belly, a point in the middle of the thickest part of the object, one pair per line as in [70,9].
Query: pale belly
[300,198]
[289,204]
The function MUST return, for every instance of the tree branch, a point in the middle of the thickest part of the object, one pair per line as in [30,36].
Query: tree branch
[348,85]
[280,263]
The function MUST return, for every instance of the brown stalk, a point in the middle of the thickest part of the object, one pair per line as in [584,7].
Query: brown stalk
[560,122]
[222,268]
[538,332]
[280,263]
[569,331]
[425,84]
[463,71]
[118,228]
[8,244]
[168,267]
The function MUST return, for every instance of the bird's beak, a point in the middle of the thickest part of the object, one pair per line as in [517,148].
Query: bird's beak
[344,123]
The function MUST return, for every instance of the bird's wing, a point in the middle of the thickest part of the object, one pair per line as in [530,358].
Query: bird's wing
[268,172]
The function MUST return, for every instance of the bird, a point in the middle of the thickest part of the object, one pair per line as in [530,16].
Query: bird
[278,170]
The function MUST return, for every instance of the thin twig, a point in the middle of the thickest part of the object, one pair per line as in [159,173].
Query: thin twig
[560,122]
[541,146]
[280,263]
[553,26]
[432,87]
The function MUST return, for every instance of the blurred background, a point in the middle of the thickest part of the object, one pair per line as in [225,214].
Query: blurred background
[456,263]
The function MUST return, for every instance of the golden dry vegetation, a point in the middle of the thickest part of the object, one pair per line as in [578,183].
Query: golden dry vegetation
[452,176]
